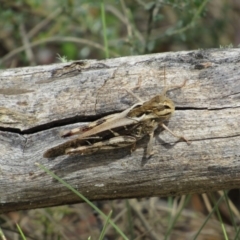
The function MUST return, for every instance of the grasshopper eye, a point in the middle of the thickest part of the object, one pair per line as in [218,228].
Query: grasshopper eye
[167,107]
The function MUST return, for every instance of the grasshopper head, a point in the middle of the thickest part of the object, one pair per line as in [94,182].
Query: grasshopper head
[158,107]
[161,106]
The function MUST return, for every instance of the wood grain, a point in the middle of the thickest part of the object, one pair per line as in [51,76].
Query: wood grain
[38,103]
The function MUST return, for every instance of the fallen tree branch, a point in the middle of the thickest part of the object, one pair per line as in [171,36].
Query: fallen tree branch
[38,103]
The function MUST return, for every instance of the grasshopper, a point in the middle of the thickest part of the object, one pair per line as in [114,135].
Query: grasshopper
[120,129]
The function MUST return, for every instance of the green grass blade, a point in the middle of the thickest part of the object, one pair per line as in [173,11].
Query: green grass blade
[208,217]
[21,233]
[220,219]
[171,226]
[104,29]
[105,226]
[83,198]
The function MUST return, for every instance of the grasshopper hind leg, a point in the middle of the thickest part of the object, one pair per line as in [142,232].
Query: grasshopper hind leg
[111,144]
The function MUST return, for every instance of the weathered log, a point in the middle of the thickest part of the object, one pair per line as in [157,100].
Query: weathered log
[38,103]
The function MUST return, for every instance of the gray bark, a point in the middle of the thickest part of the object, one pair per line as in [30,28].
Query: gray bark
[38,103]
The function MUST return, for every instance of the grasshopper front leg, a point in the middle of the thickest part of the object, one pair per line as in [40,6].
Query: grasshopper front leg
[175,135]
[150,152]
